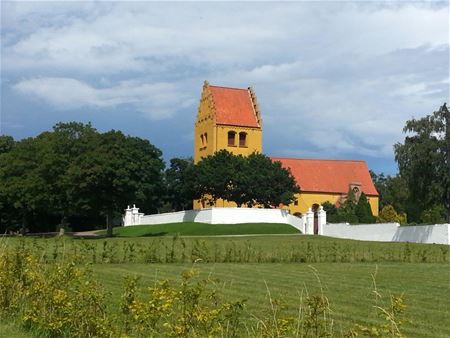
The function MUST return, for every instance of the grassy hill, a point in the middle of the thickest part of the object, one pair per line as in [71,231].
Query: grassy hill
[204,229]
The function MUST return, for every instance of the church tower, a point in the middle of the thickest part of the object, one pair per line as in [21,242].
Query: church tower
[227,118]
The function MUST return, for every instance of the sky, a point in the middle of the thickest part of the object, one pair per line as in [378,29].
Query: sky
[335,80]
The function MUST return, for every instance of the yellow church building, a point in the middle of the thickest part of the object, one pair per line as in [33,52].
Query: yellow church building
[230,119]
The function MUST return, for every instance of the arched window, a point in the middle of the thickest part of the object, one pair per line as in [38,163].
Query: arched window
[206,138]
[232,138]
[242,139]
[202,140]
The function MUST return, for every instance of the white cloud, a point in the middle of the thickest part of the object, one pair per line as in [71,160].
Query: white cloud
[157,101]
[112,38]
[340,77]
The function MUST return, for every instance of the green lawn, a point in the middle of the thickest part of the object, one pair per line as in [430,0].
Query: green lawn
[421,272]
[204,229]
[426,288]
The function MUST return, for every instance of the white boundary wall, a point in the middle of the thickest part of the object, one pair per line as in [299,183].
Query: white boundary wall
[381,232]
[438,233]
[367,232]
[391,232]
[219,216]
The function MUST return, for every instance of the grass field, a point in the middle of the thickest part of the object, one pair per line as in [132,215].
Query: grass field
[13,330]
[285,263]
[426,288]
[203,229]
[248,249]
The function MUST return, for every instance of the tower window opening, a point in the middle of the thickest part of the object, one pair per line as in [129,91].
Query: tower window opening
[242,139]
[231,138]
[206,138]
[202,139]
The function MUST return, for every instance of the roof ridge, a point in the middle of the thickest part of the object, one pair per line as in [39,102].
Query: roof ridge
[235,88]
[315,159]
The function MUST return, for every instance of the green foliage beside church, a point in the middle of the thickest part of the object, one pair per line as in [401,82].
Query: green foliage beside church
[351,211]
[253,180]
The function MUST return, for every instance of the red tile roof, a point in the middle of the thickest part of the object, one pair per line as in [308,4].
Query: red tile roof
[329,176]
[234,107]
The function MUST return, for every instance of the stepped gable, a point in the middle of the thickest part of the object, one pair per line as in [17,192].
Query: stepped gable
[234,107]
[329,176]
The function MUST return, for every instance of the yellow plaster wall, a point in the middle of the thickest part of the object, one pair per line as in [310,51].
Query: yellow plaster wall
[307,199]
[373,201]
[205,123]
[253,144]
[218,139]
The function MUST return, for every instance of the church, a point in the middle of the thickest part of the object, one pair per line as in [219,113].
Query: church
[230,119]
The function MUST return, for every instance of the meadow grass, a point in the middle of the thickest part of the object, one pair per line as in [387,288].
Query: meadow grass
[12,330]
[349,288]
[289,266]
[248,249]
[204,229]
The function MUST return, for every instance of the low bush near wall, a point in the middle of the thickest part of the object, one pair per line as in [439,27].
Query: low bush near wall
[63,300]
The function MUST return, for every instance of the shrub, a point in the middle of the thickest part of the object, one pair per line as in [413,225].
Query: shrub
[388,214]
[363,210]
[54,300]
[434,215]
[192,308]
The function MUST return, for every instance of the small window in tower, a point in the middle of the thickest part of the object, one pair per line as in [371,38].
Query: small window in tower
[202,139]
[206,138]
[296,202]
[242,139]
[231,138]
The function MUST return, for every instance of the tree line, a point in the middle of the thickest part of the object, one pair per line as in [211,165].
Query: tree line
[420,191]
[74,176]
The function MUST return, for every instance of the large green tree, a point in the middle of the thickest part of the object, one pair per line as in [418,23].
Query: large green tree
[269,183]
[75,171]
[217,177]
[393,190]
[252,180]
[23,189]
[424,159]
[61,150]
[178,188]
[120,170]
[6,143]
